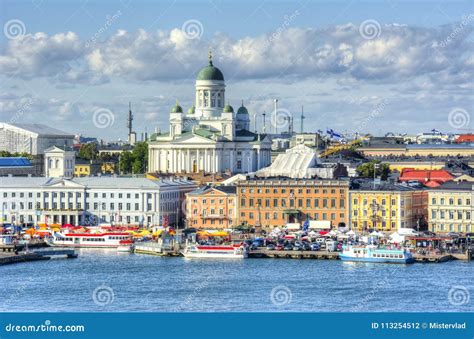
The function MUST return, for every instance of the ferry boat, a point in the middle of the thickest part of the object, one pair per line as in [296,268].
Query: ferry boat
[125,245]
[375,254]
[88,240]
[215,251]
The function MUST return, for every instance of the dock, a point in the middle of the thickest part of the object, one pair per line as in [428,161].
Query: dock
[264,253]
[153,248]
[7,258]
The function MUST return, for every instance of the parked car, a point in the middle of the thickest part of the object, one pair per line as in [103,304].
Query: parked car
[297,247]
[306,246]
[279,247]
[321,240]
[270,247]
[315,246]
[288,247]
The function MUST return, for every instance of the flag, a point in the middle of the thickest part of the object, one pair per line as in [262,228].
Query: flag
[334,135]
[306,226]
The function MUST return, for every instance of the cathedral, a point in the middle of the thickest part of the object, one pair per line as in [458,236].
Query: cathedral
[210,137]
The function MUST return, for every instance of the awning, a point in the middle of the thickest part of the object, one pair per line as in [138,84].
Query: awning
[291,212]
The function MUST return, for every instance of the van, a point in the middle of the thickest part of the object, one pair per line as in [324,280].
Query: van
[331,245]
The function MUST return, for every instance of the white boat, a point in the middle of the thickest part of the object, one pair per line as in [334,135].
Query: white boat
[215,251]
[125,246]
[371,253]
[87,240]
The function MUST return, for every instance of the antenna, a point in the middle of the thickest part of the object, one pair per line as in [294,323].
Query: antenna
[130,119]
[302,118]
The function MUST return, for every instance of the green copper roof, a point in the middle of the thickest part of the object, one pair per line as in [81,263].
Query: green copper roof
[192,110]
[177,109]
[210,73]
[242,110]
[228,109]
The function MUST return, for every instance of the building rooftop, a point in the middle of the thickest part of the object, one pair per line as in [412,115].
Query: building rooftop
[386,186]
[455,186]
[92,182]
[42,130]
[15,162]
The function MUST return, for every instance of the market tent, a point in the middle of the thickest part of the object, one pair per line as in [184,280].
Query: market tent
[351,233]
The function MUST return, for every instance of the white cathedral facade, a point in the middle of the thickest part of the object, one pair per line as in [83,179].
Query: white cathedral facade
[211,137]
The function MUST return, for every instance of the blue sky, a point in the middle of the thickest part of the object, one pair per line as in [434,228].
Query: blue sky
[74,58]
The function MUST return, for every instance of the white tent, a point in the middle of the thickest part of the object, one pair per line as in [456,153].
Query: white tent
[396,237]
[351,233]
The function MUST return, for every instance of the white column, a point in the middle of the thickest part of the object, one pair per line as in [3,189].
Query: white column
[213,161]
[258,159]
[188,165]
[198,160]
[205,161]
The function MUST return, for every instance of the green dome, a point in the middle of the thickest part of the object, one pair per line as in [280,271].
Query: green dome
[177,109]
[242,110]
[228,109]
[210,73]
[192,110]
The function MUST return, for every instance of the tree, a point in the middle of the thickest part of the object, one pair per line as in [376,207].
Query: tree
[126,161]
[140,157]
[88,151]
[367,170]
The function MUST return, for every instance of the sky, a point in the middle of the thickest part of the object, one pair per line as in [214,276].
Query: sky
[354,66]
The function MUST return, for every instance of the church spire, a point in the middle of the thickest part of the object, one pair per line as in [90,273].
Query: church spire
[210,56]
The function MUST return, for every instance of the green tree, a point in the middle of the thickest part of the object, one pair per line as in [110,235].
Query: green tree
[126,161]
[88,151]
[140,157]
[367,170]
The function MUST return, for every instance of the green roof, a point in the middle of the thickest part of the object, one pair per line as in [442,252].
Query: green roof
[210,73]
[177,109]
[192,110]
[242,110]
[228,109]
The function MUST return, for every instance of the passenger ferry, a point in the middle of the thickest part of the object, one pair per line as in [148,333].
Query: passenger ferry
[218,251]
[373,253]
[99,240]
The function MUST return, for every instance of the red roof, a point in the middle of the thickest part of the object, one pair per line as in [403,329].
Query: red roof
[425,176]
[465,138]
[432,183]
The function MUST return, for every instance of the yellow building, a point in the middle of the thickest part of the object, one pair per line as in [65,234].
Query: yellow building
[388,207]
[108,167]
[451,207]
[85,168]
[417,165]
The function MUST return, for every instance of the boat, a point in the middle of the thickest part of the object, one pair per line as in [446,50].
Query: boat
[371,253]
[125,245]
[87,240]
[215,251]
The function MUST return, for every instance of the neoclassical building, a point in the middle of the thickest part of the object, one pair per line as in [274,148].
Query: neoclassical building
[210,137]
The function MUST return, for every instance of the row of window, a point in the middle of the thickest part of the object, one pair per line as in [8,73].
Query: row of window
[168,195]
[309,203]
[459,215]
[383,213]
[374,202]
[383,224]
[292,191]
[277,215]
[450,201]
[451,228]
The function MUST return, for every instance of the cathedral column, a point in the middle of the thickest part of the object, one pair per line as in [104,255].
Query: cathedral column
[188,161]
[258,159]
[205,161]
[198,160]
[213,161]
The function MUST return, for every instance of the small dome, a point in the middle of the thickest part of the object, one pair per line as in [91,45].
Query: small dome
[242,110]
[192,110]
[177,108]
[228,109]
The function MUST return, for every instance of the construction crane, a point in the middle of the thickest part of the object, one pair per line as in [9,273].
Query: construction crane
[341,147]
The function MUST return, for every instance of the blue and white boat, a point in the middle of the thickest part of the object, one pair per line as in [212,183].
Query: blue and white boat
[371,253]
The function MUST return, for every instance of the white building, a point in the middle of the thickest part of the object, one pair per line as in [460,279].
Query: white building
[33,139]
[93,200]
[59,162]
[210,137]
